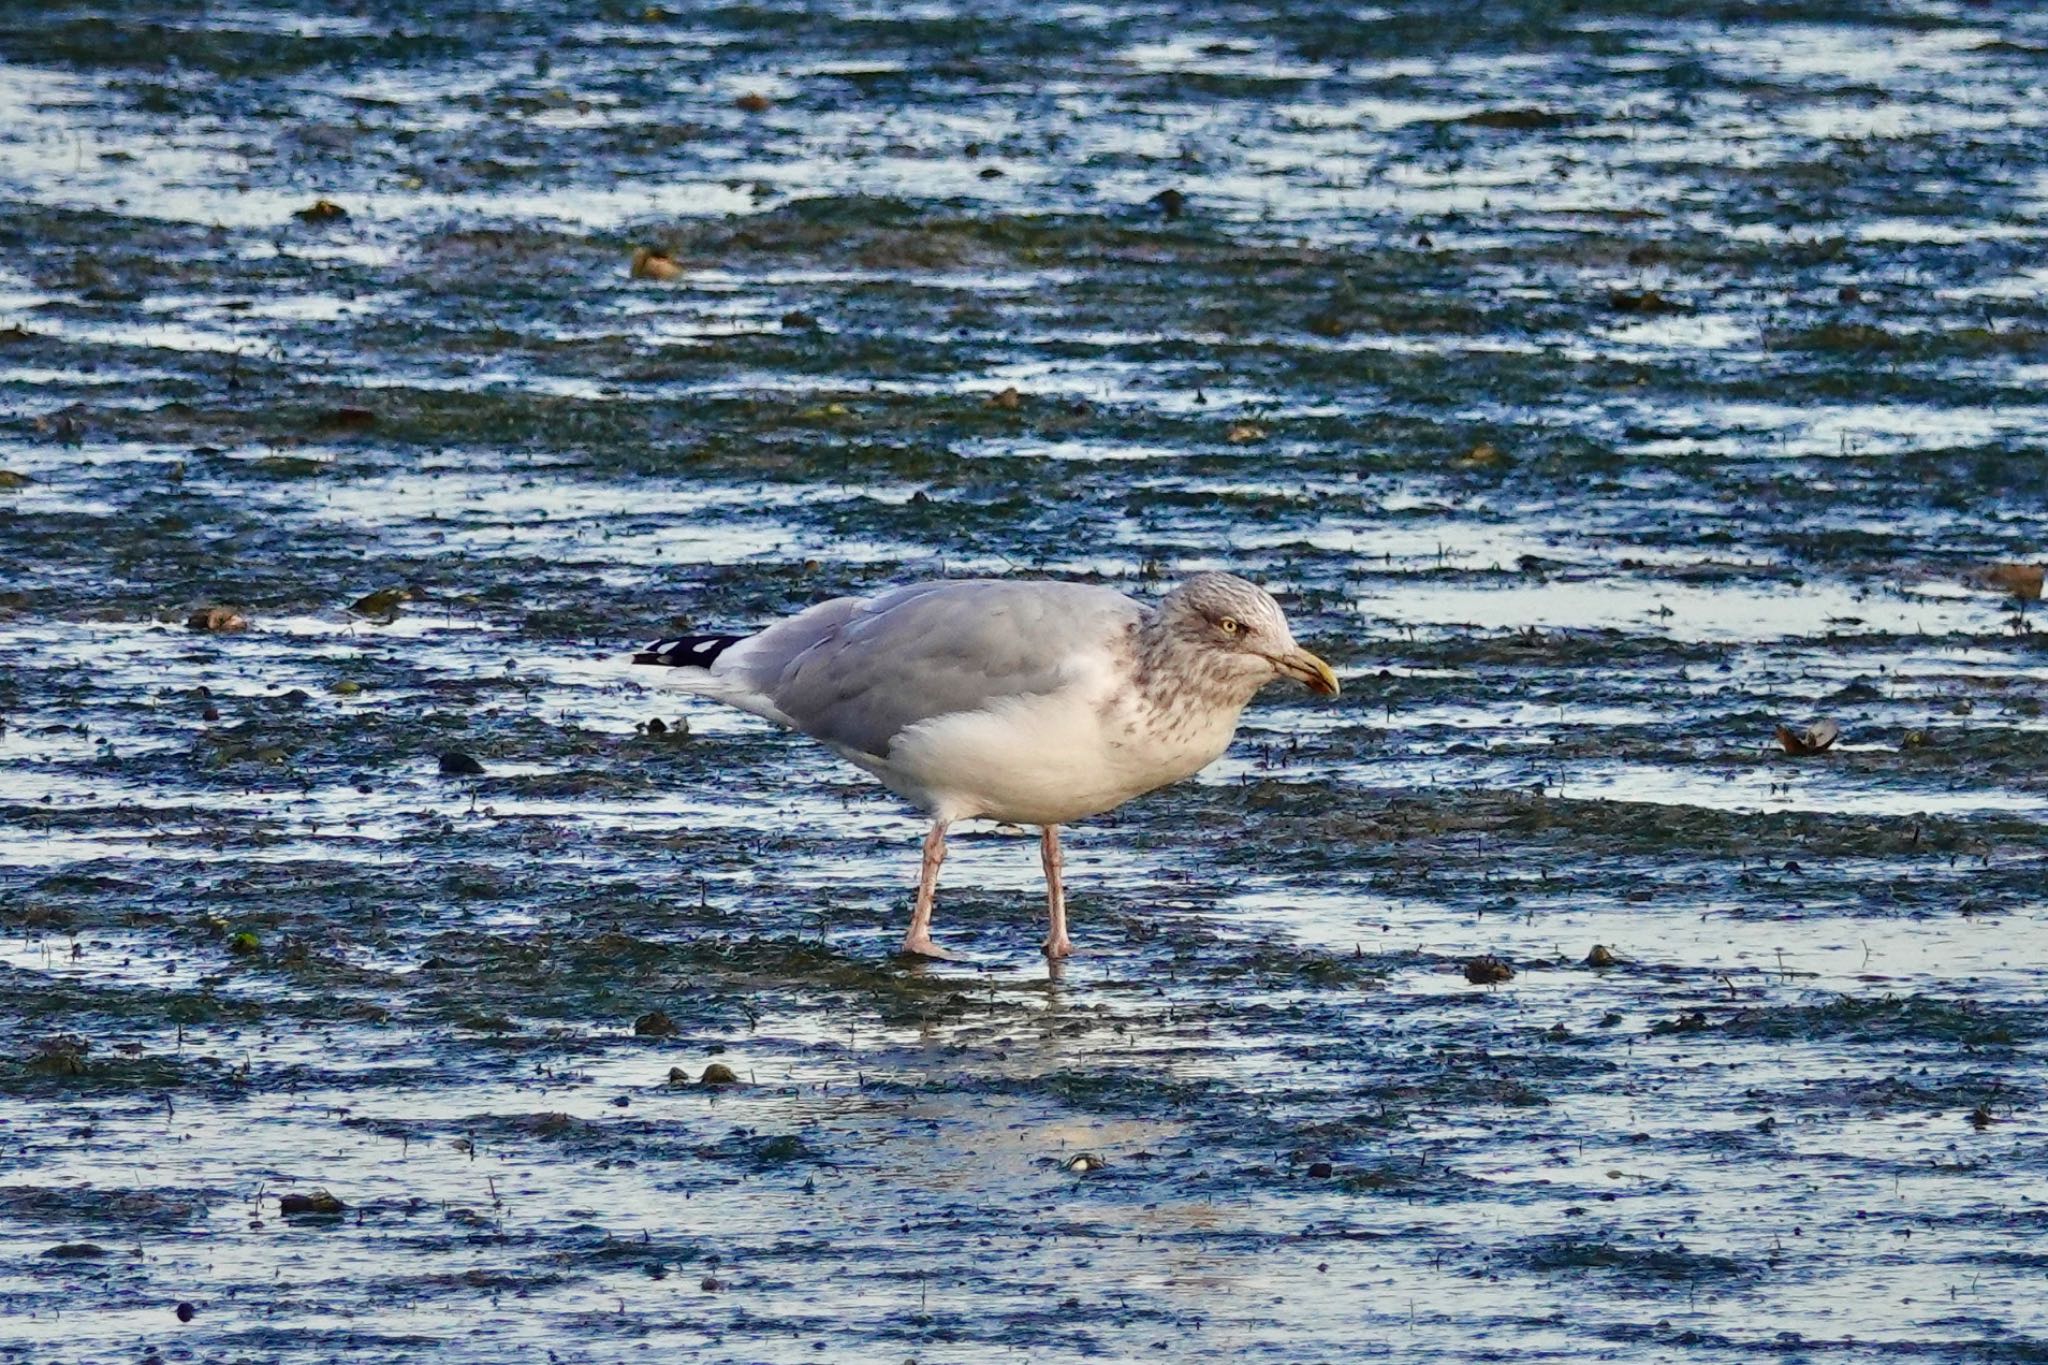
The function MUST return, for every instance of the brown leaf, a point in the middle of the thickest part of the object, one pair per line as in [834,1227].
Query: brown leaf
[1485,455]
[217,620]
[649,264]
[753,102]
[1816,738]
[2017,580]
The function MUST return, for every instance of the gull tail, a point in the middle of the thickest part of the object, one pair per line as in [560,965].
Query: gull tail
[687,651]
[701,664]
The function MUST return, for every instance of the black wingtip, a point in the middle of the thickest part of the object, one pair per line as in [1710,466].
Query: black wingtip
[690,651]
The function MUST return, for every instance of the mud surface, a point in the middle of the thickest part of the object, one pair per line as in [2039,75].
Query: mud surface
[1602,384]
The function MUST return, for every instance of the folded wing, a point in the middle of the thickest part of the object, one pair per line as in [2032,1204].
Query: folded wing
[857,672]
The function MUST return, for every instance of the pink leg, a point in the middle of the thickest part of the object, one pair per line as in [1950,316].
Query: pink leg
[919,939]
[1057,944]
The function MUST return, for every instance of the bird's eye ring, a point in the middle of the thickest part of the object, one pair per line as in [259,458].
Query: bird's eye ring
[1228,625]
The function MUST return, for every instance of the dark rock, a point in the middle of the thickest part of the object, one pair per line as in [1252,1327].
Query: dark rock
[655,1024]
[318,1204]
[75,1251]
[1488,971]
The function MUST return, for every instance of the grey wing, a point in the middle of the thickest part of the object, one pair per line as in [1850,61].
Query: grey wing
[858,672]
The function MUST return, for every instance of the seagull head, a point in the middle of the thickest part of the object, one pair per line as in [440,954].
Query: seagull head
[1240,633]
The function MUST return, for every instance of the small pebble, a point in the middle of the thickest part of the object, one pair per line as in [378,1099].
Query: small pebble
[186,1312]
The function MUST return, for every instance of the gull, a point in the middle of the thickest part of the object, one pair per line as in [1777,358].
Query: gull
[1027,702]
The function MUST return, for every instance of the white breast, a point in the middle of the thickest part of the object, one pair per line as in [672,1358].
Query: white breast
[1047,759]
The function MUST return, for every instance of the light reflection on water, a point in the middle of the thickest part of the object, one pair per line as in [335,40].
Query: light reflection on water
[1561,682]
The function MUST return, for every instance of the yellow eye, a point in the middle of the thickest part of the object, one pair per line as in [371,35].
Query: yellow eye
[1228,625]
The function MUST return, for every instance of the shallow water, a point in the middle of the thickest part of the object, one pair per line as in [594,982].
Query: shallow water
[1601,386]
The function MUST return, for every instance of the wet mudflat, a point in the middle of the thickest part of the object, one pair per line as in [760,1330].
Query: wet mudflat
[1601,386]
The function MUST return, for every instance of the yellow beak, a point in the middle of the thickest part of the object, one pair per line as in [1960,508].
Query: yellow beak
[1306,668]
